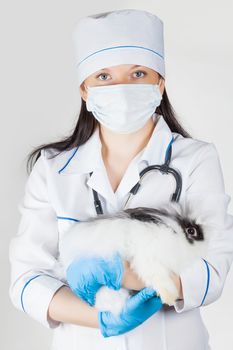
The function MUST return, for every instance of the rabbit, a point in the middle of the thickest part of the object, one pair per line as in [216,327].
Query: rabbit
[155,242]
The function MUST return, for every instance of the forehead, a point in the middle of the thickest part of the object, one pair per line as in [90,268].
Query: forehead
[124,67]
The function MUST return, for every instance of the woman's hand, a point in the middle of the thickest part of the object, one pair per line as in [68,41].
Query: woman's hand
[130,279]
[177,281]
[85,275]
[137,309]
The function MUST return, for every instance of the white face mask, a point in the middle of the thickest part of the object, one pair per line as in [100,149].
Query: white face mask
[123,108]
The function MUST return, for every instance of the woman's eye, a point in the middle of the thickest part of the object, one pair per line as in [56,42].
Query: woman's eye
[103,75]
[139,75]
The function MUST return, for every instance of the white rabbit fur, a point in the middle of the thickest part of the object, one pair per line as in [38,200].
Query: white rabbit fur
[155,243]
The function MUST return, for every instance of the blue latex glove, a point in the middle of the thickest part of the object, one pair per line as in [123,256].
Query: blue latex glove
[85,275]
[137,309]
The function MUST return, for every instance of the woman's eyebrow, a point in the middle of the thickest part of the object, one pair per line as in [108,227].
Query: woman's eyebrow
[137,65]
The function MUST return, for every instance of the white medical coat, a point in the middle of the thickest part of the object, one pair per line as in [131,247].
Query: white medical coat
[58,193]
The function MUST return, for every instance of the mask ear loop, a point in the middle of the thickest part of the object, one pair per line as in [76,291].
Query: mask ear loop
[160,79]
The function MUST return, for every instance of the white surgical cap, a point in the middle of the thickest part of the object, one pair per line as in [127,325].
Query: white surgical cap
[128,36]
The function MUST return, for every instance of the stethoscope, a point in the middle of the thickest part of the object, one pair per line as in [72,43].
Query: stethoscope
[164,169]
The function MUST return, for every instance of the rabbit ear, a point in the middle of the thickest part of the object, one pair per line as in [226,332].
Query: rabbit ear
[192,210]
[145,214]
[171,208]
[175,208]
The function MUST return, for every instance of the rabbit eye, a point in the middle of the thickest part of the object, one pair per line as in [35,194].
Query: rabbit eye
[191,231]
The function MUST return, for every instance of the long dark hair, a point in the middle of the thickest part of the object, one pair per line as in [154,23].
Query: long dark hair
[87,123]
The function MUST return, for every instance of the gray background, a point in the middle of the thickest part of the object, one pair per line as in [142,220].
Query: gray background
[40,101]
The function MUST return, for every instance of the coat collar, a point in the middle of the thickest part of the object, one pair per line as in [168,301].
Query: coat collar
[88,158]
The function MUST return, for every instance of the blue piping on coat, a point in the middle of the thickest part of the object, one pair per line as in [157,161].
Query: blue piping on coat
[66,218]
[68,161]
[31,279]
[208,280]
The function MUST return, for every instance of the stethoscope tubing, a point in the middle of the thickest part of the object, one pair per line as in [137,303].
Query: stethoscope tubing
[164,169]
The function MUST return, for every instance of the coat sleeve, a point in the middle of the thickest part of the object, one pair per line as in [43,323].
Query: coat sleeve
[203,281]
[35,270]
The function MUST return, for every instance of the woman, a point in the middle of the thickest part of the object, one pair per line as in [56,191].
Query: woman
[126,123]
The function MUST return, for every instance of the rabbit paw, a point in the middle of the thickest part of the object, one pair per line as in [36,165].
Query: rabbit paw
[168,294]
